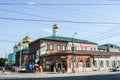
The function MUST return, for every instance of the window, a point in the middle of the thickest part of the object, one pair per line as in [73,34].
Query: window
[47,46]
[113,63]
[33,56]
[101,64]
[81,48]
[51,47]
[119,63]
[30,57]
[58,47]
[91,49]
[63,48]
[111,46]
[95,64]
[94,49]
[107,63]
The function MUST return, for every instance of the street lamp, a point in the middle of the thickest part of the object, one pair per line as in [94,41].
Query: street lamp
[73,59]
[20,47]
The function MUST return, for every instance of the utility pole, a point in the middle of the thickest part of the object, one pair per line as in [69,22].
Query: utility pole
[73,57]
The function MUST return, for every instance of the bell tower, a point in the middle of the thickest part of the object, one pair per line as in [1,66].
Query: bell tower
[55,30]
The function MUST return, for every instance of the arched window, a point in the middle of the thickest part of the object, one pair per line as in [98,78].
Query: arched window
[51,46]
[63,48]
[58,47]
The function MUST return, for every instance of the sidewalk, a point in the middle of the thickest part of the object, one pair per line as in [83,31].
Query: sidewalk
[51,74]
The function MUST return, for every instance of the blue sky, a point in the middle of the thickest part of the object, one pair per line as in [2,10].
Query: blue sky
[16,30]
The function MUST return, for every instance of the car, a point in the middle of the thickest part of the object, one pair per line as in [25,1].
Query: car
[116,69]
[23,69]
[20,69]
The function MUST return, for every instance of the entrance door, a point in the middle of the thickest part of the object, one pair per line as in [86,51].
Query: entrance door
[64,65]
[52,66]
[80,65]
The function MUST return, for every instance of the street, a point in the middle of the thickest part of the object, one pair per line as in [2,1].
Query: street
[66,76]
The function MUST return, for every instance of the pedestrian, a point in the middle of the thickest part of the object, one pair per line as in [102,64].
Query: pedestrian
[3,71]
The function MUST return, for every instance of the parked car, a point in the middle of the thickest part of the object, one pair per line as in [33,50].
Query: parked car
[22,69]
[19,69]
[116,69]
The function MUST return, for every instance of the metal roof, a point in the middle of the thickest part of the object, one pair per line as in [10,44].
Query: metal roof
[65,39]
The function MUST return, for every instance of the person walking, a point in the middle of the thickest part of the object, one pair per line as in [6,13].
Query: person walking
[3,71]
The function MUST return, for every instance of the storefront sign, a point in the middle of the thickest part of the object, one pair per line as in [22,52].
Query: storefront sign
[63,57]
[84,45]
[75,44]
[47,62]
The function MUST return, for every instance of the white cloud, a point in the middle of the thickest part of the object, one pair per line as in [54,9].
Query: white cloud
[48,30]
[30,3]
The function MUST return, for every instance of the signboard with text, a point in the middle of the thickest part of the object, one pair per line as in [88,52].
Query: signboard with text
[43,48]
[84,45]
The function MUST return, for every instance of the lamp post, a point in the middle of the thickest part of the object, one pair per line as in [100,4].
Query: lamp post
[20,47]
[73,58]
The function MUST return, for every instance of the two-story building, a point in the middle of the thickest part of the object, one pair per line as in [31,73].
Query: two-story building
[56,52]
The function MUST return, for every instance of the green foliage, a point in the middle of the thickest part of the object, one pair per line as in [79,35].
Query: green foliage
[2,61]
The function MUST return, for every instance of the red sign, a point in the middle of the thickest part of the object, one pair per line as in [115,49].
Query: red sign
[85,45]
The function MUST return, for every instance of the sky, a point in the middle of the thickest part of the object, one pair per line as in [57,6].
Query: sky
[94,20]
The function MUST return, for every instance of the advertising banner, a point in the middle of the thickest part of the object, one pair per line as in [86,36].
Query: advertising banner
[43,48]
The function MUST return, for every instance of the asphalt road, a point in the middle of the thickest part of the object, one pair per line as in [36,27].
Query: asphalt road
[45,76]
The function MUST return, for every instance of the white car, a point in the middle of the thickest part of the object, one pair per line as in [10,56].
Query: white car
[20,69]
[116,69]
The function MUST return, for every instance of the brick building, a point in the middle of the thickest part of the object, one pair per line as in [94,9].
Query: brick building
[56,52]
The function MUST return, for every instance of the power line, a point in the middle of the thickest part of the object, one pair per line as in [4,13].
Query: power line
[62,4]
[6,18]
[25,14]
[8,41]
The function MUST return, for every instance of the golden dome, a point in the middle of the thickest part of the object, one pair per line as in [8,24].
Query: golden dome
[26,40]
[15,46]
[55,26]
[20,44]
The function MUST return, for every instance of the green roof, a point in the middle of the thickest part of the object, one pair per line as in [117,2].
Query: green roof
[102,47]
[106,46]
[65,39]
